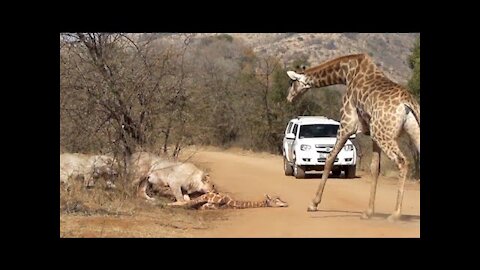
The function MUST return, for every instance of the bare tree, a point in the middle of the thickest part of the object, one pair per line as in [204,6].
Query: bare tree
[264,72]
[114,90]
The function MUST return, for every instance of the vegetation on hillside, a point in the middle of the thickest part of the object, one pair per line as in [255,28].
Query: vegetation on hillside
[119,94]
[414,64]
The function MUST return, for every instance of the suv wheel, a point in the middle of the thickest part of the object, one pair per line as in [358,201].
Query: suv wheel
[298,171]
[350,171]
[287,167]
[337,172]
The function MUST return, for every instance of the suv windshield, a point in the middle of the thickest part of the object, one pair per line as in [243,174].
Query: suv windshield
[317,131]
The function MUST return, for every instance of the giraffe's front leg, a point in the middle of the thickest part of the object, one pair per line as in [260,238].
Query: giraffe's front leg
[348,126]
[342,137]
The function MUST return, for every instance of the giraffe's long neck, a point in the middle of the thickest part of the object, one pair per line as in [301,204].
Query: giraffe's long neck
[342,70]
[227,201]
[209,197]
[224,200]
[246,204]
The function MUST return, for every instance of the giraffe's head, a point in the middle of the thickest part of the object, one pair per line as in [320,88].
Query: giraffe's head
[298,85]
[275,201]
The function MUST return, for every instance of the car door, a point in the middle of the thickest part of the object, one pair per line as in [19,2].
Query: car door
[290,143]
[285,140]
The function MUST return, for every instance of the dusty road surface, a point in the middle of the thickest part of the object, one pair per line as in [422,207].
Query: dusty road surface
[248,176]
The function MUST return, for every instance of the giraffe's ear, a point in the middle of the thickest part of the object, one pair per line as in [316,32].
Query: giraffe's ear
[293,75]
[268,197]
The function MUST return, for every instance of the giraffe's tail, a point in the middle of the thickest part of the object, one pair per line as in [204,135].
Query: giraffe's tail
[412,123]
[414,108]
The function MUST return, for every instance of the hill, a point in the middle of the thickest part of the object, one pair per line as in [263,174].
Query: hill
[389,50]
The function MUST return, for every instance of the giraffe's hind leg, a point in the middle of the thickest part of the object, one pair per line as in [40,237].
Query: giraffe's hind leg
[392,150]
[375,170]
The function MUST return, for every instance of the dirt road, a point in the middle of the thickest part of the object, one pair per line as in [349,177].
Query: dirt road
[248,176]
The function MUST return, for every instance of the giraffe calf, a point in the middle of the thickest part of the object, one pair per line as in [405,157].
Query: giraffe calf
[215,200]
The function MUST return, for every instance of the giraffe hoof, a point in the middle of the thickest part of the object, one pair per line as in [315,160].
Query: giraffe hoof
[312,208]
[366,215]
[393,218]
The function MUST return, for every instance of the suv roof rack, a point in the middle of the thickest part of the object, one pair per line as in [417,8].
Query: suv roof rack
[311,116]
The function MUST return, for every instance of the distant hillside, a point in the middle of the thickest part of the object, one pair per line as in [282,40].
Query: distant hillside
[389,50]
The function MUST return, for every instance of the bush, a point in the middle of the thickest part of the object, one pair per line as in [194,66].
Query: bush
[414,64]
[225,37]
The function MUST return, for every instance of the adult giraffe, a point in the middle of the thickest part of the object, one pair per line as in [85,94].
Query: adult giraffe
[373,105]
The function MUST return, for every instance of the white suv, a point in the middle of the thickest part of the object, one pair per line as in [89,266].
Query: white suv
[308,141]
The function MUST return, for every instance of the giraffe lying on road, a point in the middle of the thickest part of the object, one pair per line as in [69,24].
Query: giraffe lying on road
[213,200]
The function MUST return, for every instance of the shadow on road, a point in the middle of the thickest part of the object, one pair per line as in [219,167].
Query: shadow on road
[344,213]
[319,176]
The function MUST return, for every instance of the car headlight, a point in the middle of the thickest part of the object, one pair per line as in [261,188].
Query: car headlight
[304,147]
[348,147]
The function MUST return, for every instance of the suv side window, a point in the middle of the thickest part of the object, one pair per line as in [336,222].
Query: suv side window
[295,129]
[289,126]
